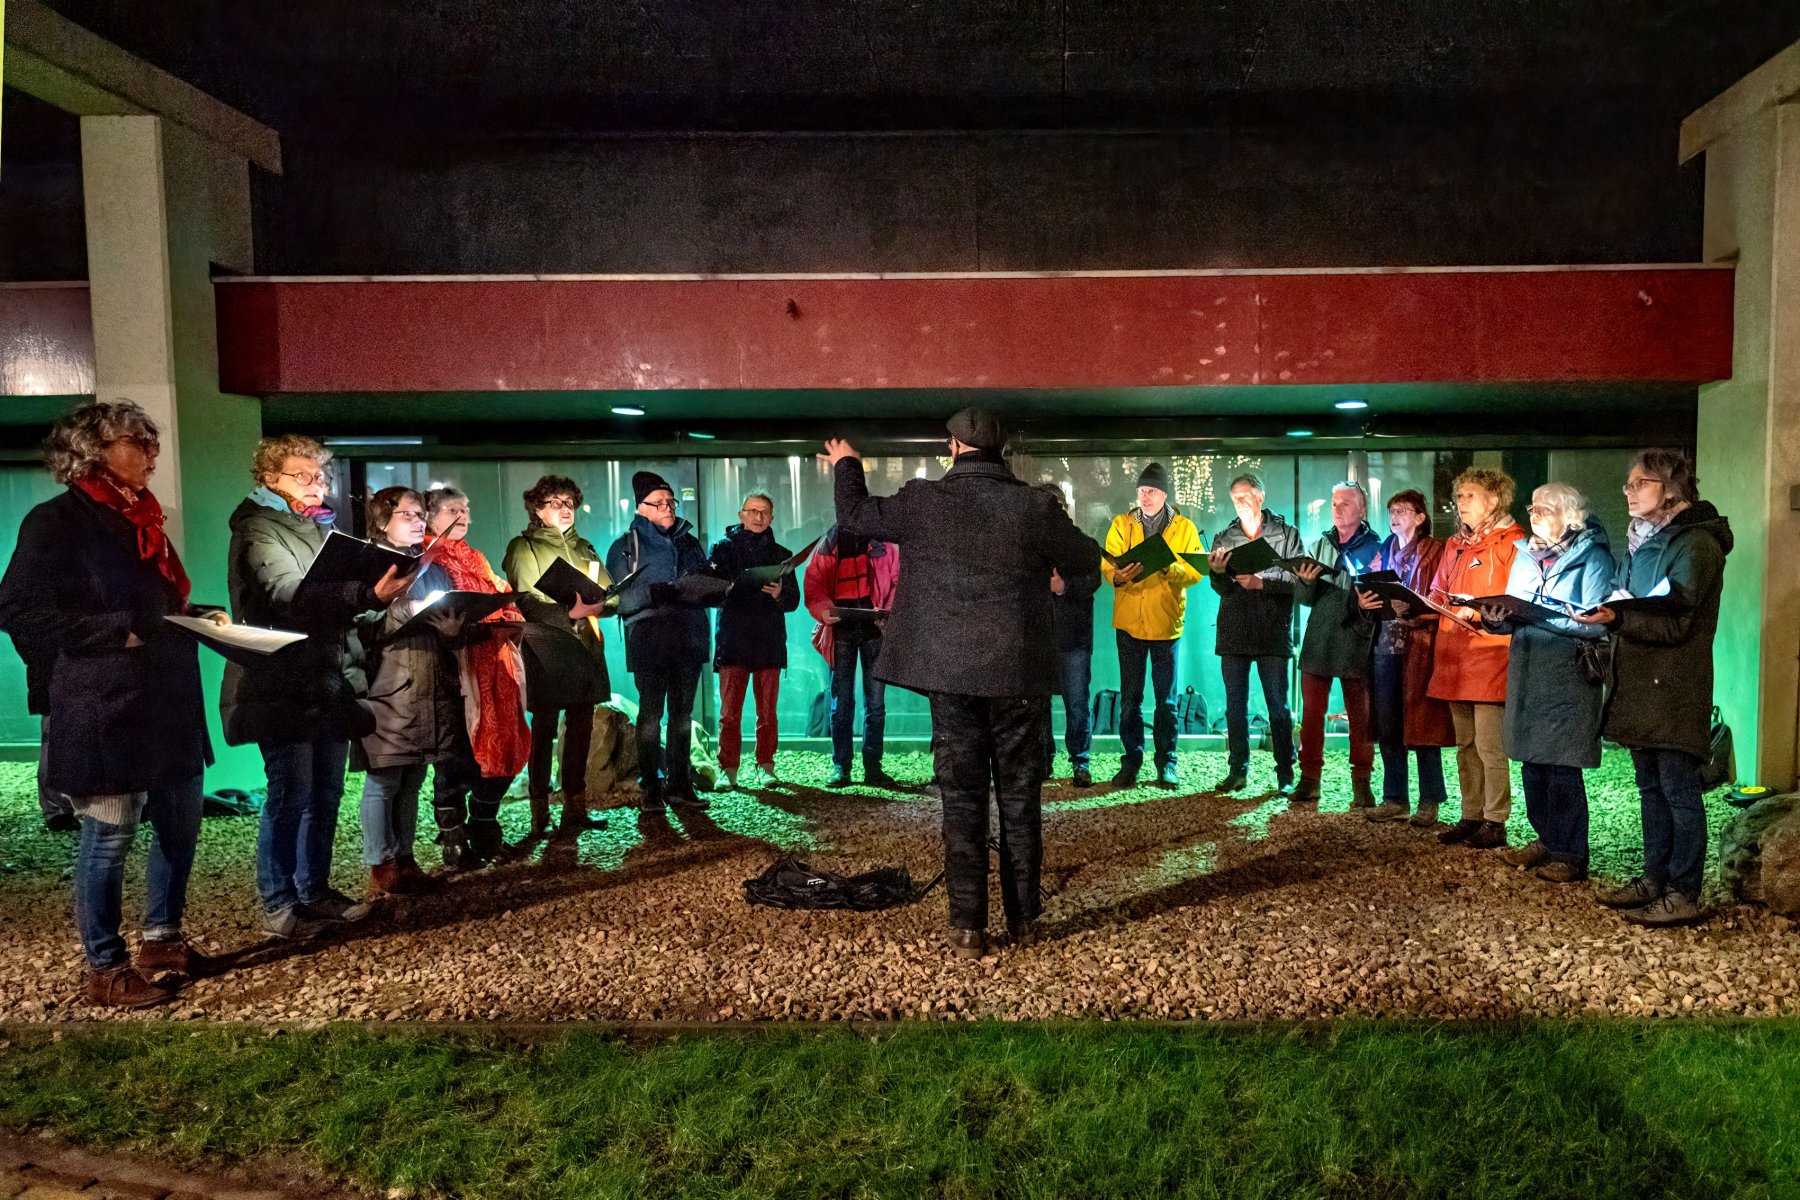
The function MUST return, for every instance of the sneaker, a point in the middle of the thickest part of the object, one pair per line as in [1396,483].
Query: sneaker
[1562,872]
[1167,776]
[171,956]
[876,777]
[293,923]
[1532,854]
[1234,781]
[1462,831]
[1361,795]
[769,777]
[1284,789]
[333,905]
[122,987]
[1635,894]
[1387,810]
[1671,908]
[1425,818]
[731,779]
[1083,778]
[840,778]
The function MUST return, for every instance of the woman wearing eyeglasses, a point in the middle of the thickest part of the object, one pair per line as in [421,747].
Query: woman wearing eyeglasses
[565,658]
[300,706]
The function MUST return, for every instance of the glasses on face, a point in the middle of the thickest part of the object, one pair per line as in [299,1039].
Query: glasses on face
[664,505]
[408,514]
[1540,510]
[1634,486]
[306,478]
[559,502]
[764,513]
[144,442]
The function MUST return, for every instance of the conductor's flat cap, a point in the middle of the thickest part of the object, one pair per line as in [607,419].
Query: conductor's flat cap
[977,427]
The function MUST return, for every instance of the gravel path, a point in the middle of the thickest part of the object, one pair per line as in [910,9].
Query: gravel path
[1165,905]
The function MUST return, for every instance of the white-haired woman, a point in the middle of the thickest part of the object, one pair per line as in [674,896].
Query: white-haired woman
[87,589]
[1553,686]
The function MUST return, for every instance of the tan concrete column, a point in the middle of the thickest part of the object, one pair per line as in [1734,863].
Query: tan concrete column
[1749,427]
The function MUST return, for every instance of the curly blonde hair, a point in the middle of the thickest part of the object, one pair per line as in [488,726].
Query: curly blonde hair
[273,452]
[1497,484]
[76,445]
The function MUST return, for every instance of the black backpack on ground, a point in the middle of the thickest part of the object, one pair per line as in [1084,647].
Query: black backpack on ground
[1718,767]
[790,883]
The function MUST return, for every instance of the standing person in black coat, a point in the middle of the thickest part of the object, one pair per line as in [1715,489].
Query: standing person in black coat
[84,596]
[752,635]
[1660,706]
[971,630]
[1072,618]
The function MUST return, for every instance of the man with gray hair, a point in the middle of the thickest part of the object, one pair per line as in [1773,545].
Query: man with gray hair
[752,641]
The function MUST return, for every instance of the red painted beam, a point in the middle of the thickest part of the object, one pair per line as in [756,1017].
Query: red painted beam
[1628,324]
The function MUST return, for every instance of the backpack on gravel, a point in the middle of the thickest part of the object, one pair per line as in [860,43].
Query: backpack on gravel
[790,883]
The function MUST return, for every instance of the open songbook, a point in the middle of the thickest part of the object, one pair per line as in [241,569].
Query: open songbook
[1153,552]
[1526,612]
[565,583]
[1391,590]
[470,606]
[245,645]
[346,559]
[1256,556]
[1658,599]
[764,576]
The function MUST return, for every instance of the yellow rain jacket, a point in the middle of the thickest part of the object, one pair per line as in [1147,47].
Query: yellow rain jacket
[1151,607]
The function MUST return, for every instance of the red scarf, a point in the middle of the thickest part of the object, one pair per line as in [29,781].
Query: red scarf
[146,516]
[493,674]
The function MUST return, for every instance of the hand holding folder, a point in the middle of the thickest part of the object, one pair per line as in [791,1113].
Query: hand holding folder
[775,572]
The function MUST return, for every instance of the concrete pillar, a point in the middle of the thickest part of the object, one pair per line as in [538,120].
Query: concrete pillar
[164,205]
[1749,426]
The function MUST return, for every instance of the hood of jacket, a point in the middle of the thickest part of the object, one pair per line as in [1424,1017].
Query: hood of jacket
[1702,517]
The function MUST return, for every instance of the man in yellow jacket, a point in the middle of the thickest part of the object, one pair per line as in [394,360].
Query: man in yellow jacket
[1147,619]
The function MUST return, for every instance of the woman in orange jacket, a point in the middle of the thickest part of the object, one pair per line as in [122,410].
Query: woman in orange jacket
[1469,666]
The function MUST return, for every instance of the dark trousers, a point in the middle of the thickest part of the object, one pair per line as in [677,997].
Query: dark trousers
[298,826]
[1315,698]
[1077,672]
[982,744]
[460,792]
[1133,654]
[577,736]
[670,688]
[51,803]
[1387,712]
[1674,818]
[846,652]
[1556,804]
[1272,673]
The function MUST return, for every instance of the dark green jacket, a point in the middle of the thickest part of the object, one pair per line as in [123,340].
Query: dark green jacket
[1340,636]
[565,660]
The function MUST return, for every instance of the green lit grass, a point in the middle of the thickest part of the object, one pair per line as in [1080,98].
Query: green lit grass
[1560,1109]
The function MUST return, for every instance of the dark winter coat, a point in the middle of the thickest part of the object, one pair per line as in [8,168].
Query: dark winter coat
[1257,623]
[415,695]
[565,658]
[972,610]
[1427,721]
[752,624]
[659,634]
[1340,635]
[120,720]
[1552,709]
[1072,613]
[1662,690]
[309,690]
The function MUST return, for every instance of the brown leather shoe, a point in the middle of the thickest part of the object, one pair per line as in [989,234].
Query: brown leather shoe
[1361,796]
[413,881]
[122,987]
[1490,836]
[385,880]
[172,956]
[1531,854]
[968,943]
[1562,872]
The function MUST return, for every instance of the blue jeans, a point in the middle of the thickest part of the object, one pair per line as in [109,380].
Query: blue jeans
[1556,804]
[299,820]
[174,815]
[846,652]
[1272,673]
[1133,654]
[1674,818]
[1075,670]
[1387,705]
[390,813]
[664,688]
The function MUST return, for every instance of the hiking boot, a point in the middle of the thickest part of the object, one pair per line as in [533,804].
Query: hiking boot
[1305,792]
[333,905]
[488,842]
[540,816]
[1532,854]
[840,777]
[1361,795]
[1167,776]
[1083,778]
[1636,894]
[1425,818]
[1234,781]
[1491,836]
[384,879]
[1462,831]
[293,923]
[876,777]
[413,881]
[122,987]
[968,943]
[1562,872]
[1671,908]
[457,854]
[1387,810]
[172,956]
[650,800]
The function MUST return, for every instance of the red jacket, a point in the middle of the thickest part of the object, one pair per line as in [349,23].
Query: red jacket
[821,574]
[1472,666]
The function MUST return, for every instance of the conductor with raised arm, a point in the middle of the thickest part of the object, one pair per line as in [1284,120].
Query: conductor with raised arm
[971,630]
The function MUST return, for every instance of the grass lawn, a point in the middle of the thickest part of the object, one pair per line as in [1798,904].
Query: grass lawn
[1551,1109]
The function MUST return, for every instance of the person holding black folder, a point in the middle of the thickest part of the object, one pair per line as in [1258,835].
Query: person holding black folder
[1256,616]
[90,581]
[752,634]
[1339,638]
[1072,618]
[1661,702]
[300,707]
[564,651]
[666,635]
[972,631]
[1553,694]
[1149,607]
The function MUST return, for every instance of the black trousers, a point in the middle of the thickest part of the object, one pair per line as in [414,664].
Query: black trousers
[666,687]
[577,736]
[980,744]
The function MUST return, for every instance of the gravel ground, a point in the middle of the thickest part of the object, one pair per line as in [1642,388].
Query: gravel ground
[1172,904]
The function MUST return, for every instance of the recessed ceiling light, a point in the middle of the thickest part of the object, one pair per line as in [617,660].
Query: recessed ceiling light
[1299,433]
[1351,405]
[627,410]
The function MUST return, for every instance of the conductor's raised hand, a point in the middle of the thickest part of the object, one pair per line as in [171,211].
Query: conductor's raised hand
[837,450]
[392,585]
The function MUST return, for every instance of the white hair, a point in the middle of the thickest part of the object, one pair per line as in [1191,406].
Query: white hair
[1568,503]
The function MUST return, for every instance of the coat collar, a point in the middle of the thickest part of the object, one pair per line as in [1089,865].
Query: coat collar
[968,466]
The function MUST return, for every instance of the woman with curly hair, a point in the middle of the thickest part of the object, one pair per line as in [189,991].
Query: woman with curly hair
[89,584]
[565,658]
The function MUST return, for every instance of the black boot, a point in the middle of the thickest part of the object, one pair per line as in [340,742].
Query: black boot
[458,856]
[540,816]
[485,836]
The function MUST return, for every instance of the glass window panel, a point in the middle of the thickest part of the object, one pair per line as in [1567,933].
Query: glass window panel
[21,490]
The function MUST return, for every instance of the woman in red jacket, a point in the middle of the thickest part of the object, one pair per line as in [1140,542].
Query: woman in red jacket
[1469,666]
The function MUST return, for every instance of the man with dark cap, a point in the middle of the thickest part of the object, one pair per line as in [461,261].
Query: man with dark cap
[971,630]
[1148,611]
[666,635]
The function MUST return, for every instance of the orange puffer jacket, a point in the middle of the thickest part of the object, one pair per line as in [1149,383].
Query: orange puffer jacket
[1472,666]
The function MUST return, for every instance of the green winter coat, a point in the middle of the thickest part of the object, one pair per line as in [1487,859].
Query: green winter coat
[565,659]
